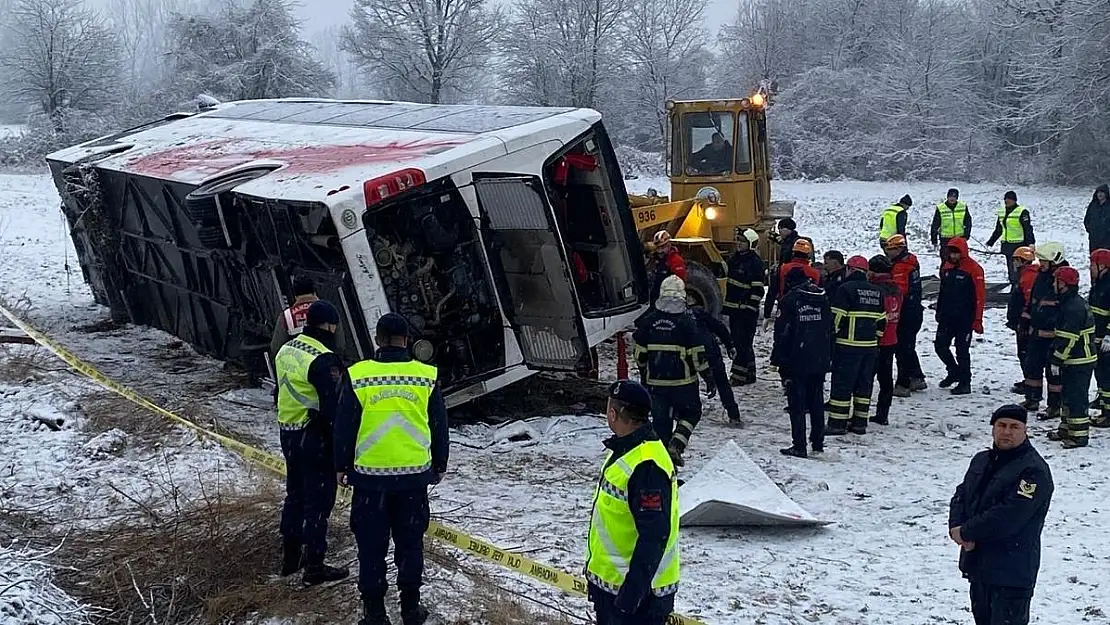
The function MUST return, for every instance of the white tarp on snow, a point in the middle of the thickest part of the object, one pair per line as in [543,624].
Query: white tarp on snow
[732,490]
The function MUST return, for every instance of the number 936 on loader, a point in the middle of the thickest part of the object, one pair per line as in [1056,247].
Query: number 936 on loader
[719,169]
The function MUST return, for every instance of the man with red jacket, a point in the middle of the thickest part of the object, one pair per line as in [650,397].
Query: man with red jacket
[1017,309]
[801,257]
[668,262]
[907,276]
[878,272]
[963,293]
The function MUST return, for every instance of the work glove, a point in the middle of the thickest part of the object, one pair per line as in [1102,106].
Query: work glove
[977,327]
[1104,346]
[1054,370]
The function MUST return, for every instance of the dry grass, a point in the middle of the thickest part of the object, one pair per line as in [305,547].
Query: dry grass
[26,364]
[104,410]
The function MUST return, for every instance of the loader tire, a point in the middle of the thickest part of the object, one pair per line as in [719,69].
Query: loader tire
[703,287]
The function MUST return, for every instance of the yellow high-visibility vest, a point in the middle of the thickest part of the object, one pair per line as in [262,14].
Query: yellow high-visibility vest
[952,219]
[888,223]
[296,395]
[613,533]
[1012,230]
[394,437]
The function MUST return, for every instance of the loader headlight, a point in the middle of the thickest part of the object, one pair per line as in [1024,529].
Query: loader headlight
[710,213]
[757,100]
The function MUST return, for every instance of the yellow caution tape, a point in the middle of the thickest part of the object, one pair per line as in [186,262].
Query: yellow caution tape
[570,584]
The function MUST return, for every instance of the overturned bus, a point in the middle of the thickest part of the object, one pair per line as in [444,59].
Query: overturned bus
[503,234]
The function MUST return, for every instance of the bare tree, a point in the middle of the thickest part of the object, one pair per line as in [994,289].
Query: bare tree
[60,57]
[424,50]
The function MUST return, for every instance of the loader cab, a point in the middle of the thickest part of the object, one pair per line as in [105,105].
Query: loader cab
[722,145]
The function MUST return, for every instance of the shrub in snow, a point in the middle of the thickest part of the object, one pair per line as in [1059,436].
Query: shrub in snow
[28,595]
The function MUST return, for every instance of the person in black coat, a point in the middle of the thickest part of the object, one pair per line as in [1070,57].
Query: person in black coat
[834,271]
[716,377]
[743,294]
[996,517]
[1097,219]
[803,353]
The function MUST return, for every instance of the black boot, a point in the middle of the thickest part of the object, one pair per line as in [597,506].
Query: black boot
[794,451]
[373,612]
[1102,420]
[836,427]
[412,613]
[734,416]
[883,420]
[856,428]
[963,388]
[949,380]
[321,573]
[1031,405]
[1019,388]
[291,556]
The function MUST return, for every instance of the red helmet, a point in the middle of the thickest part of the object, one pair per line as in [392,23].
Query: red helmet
[1101,256]
[857,262]
[1067,276]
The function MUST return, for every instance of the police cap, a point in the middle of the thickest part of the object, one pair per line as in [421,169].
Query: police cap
[634,394]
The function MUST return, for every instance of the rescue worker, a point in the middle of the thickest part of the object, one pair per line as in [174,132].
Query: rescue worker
[834,272]
[800,258]
[670,354]
[951,219]
[1014,227]
[802,353]
[716,378]
[743,294]
[879,273]
[907,277]
[1074,356]
[668,262]
[1043,313]
[390,451]
[1096,221]
[291,320]
[1099,300]
[787,237]
[1017,308]
[959,312]
[859,318]
[632,557]
[996,517]
[313,392]
[893,220]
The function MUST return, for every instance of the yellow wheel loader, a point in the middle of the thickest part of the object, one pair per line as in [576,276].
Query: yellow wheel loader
[719,168]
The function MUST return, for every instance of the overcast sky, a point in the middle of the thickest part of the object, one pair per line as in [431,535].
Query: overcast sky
[320,14]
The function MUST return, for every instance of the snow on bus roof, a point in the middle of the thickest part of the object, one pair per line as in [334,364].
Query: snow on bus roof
[316,143]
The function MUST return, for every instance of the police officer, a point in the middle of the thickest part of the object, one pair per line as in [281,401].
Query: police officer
[802,351]
[996,517]
[670,354]
[390,452]
[1043,313]
[1014,228]
[632,563]
[907,277]
[951,219]
[313,392]
[716,378]
[743,293]
[1017,308]
[859,318]
[893,220]
[1099,300]
[1074,356]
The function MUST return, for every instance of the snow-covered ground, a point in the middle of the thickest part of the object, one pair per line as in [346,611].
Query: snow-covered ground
[886,560]
[11,130]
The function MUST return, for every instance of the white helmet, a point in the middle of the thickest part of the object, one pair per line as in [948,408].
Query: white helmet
[1050,252]
[751,235]
[662,237]
[673,286]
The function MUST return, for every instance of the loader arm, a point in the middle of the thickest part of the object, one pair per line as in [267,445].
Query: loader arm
[652,214]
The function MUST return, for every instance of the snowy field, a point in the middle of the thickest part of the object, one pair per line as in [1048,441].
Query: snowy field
[11,130]
[886,560]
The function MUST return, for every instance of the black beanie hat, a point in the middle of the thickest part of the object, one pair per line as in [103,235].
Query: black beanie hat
[879,263]
[953,193]
[1010,411]
[1010,195]
[788,223]
[321,312]
[906,200]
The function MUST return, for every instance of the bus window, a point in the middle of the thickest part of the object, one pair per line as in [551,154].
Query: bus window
[743,147]
[707,136]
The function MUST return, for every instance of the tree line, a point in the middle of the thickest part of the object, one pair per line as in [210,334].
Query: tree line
[1015,90]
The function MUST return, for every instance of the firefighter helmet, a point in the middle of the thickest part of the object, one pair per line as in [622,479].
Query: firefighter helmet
[897,240]
[802,246]
[1050,252]
[1067,276]
[662,238]
[1101,256]
[673,286]
[1025,253]
[857,262]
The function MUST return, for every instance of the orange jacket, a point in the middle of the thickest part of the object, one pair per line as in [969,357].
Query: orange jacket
[968,265]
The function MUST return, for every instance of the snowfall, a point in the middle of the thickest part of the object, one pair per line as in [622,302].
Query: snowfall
[885,558]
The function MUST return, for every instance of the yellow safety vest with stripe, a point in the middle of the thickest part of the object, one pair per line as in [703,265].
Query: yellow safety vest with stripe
[655,356]
[1012,230]
[888,223]
[952,219]
[394,437]
[613,533]
[296,395]
[1073,349]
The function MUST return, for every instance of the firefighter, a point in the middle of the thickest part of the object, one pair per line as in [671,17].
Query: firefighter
[907,277]
[959,312]
[670,354]
[1043,311]
[1017,308]
[632,557]
[801,257]
[668,262]
[879,273]
[313,391]
[1014,228]
[716,378]
[1074,355]
[833,272]
[951,219]
[859,318]
[1099,299]
[893,220]
[802,352]
[390,451]
[743,294]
